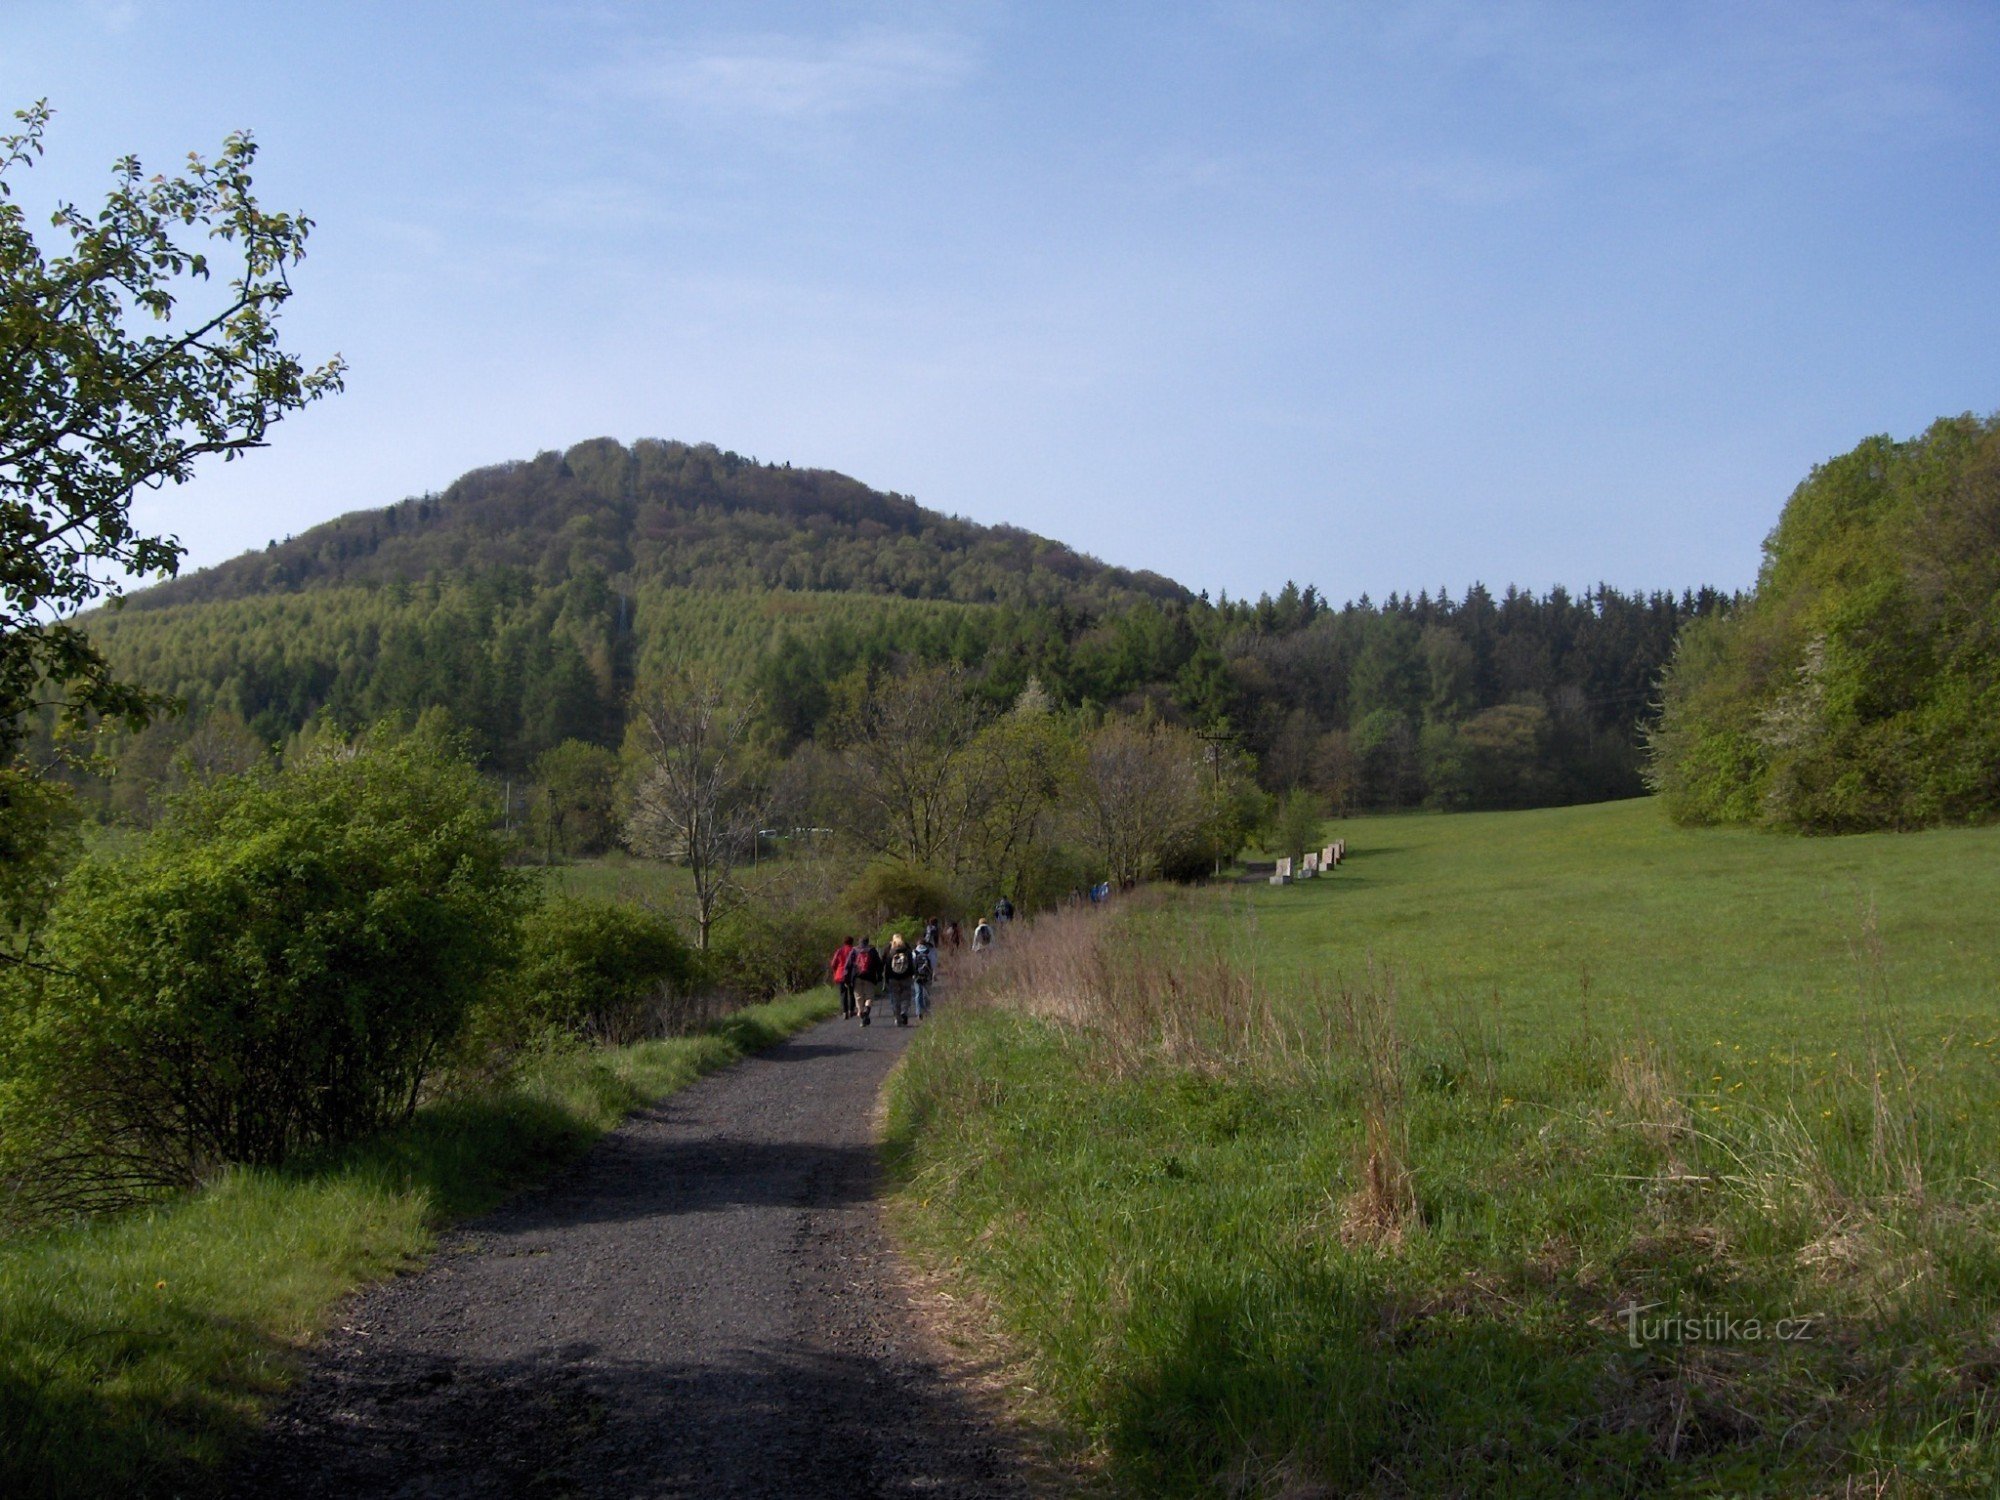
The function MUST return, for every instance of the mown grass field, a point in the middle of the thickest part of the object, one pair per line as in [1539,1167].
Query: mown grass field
[136,1352]
[1468,1169]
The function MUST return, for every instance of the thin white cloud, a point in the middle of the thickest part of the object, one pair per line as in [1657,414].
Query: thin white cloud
[790,79]
[115,17]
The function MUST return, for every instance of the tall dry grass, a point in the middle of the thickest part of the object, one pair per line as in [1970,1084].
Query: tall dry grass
[1145,989]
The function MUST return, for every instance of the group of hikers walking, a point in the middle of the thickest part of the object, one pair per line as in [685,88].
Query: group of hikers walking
[905,972]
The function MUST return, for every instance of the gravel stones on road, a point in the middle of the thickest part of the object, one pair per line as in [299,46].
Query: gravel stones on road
[706,1304]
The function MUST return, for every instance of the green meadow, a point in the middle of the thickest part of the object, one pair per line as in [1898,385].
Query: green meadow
[1534,1153]
[619,877]
[1610,914]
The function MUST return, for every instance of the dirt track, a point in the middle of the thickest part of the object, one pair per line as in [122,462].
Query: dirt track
[705,1305]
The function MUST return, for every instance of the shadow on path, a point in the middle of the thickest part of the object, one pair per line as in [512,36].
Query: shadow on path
[573,1421]
[641,1177]
[706,1304]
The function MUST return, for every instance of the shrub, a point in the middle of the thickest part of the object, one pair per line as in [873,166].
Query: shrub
[282,964]
[605,970]
[891,887]
[763,950]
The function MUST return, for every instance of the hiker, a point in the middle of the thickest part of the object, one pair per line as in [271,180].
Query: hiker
[982,936]
[843,982]
[900,971]
[1003,911]
[953,938]
[866,968]
[924,972]
[930,937]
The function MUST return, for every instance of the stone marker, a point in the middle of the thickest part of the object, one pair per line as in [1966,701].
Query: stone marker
[1284,869]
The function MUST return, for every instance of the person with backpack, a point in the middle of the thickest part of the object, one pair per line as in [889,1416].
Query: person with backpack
[866,967]
[900,973]
[931,933]
[924,971]
[982,936]
[1003,911]
[842,980]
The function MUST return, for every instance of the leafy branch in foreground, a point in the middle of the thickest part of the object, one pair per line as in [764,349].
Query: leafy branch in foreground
[122,362]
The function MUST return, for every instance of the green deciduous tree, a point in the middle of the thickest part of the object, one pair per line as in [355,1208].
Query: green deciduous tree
[1019,767]
[122,362]
[909,786]
[1295,825]
[571,812]
[1860,686]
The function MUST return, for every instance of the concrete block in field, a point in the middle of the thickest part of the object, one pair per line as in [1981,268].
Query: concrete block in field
[1281,880]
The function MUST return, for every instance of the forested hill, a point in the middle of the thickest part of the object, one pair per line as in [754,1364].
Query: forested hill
[661,513]
[531,600]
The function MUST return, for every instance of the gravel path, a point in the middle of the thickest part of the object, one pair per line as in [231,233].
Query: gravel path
[706,1304]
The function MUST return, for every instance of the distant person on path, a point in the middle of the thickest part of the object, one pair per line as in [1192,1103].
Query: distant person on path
[866,967]
[930,937]
[843,981]
[924,972]
[1003,910]
[901,967]
[953,938]
[982,936]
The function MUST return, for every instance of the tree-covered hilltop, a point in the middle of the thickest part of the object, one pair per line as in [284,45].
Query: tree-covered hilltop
[1860,686]
[674,514]
[530,601]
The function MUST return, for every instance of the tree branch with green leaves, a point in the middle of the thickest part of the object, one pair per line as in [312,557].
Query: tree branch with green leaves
[148,343]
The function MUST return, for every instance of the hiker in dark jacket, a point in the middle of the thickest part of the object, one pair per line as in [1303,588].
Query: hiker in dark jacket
[866,967]
[900,974]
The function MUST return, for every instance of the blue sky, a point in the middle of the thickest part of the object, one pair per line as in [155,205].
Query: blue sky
[1371,296]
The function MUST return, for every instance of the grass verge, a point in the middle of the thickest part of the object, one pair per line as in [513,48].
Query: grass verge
[136,1352]
[1518,1164]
